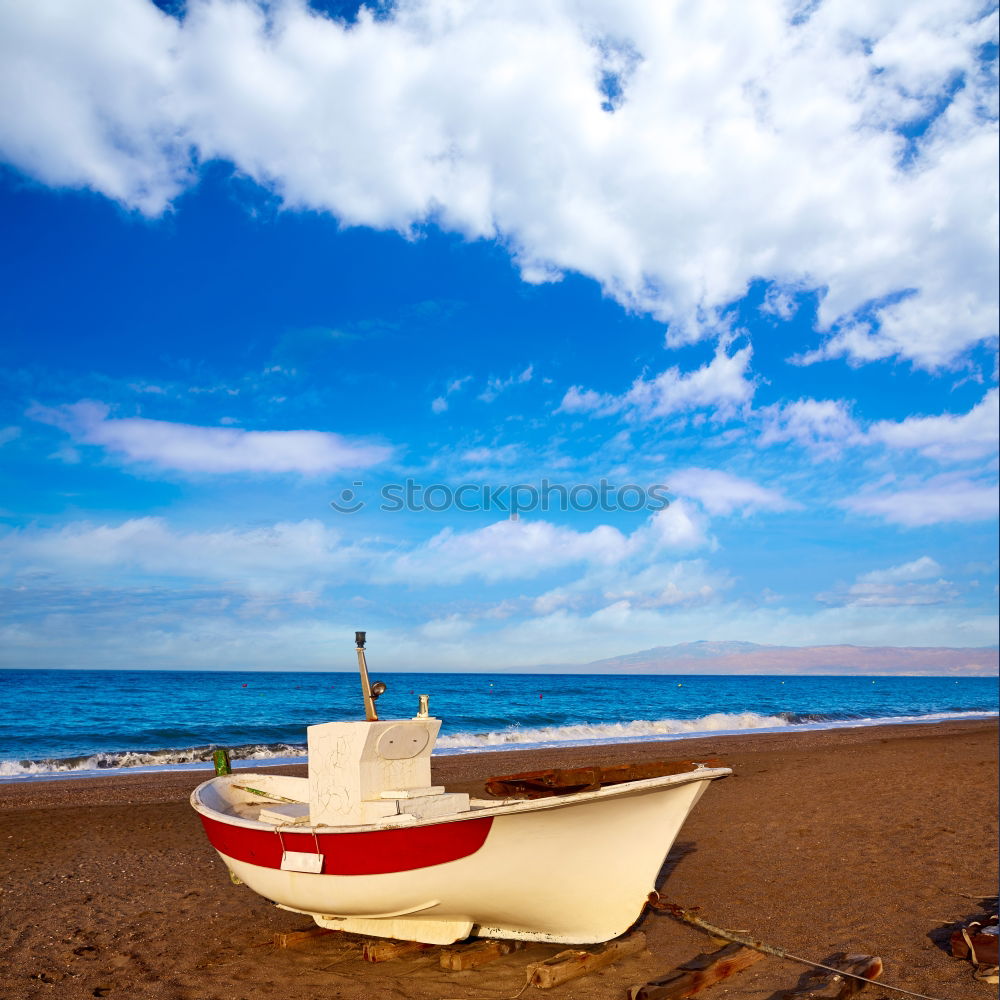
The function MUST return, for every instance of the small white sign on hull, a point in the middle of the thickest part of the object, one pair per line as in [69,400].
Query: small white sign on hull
[302,861]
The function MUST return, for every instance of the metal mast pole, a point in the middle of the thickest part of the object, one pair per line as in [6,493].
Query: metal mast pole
[366,688]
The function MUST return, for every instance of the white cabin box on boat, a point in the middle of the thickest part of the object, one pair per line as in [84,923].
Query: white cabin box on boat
[363,772]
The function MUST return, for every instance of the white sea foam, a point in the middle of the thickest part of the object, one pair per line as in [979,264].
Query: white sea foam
[642,730]
[140,760]
[513,737]
[637,729]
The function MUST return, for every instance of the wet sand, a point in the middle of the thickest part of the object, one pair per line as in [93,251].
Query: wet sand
[864,840]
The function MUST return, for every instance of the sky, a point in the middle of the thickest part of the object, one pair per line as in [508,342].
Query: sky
[514,334]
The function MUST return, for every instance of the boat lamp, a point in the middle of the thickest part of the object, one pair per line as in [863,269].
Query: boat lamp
[370,692]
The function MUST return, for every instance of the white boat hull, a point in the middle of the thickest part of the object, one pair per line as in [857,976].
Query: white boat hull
[575,868]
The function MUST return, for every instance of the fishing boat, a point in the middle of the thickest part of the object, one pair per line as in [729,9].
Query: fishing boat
[367,844]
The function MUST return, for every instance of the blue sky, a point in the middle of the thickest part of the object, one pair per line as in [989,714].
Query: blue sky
[255,256]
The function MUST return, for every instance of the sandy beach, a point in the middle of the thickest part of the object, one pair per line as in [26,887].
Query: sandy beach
[864,840]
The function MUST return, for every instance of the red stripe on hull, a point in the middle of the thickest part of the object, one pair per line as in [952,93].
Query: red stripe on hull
[378,852]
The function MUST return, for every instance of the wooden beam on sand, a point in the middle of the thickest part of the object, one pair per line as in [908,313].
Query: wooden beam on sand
[698,974]
[477,953]
[292,939]
[385,950]
[572,964]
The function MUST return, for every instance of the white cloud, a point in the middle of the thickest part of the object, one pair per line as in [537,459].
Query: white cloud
[940,500]
[822,426]
[203,634]
[485,457]
[8,434]
[445,629]
[665,584]
[947,438]
[193,636]
[677,527]
[826,426]
[440,404]
[251,598]
[577,400]
[722,493]
[277,558]
[745,143]
[95,113]
[779,302]
[507,550]
[567,636]
[721,386]
[523,549]
[909,584]
[495,386]
[918,569]
[308,556]
[190,448]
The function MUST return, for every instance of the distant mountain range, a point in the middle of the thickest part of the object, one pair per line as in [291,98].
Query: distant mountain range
[751,658]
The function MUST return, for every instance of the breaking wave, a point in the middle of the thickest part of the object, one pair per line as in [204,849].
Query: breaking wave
[641,730]
[587,733]
[154,760]
[510,737]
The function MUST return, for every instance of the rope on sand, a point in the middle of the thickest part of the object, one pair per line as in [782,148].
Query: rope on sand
[657,902]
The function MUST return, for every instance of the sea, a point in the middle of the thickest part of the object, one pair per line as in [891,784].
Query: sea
[66,723]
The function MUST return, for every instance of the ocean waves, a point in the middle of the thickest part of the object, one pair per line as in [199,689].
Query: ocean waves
[143,760]
[507,738]
[644,730]
[589,733]
[127,722]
